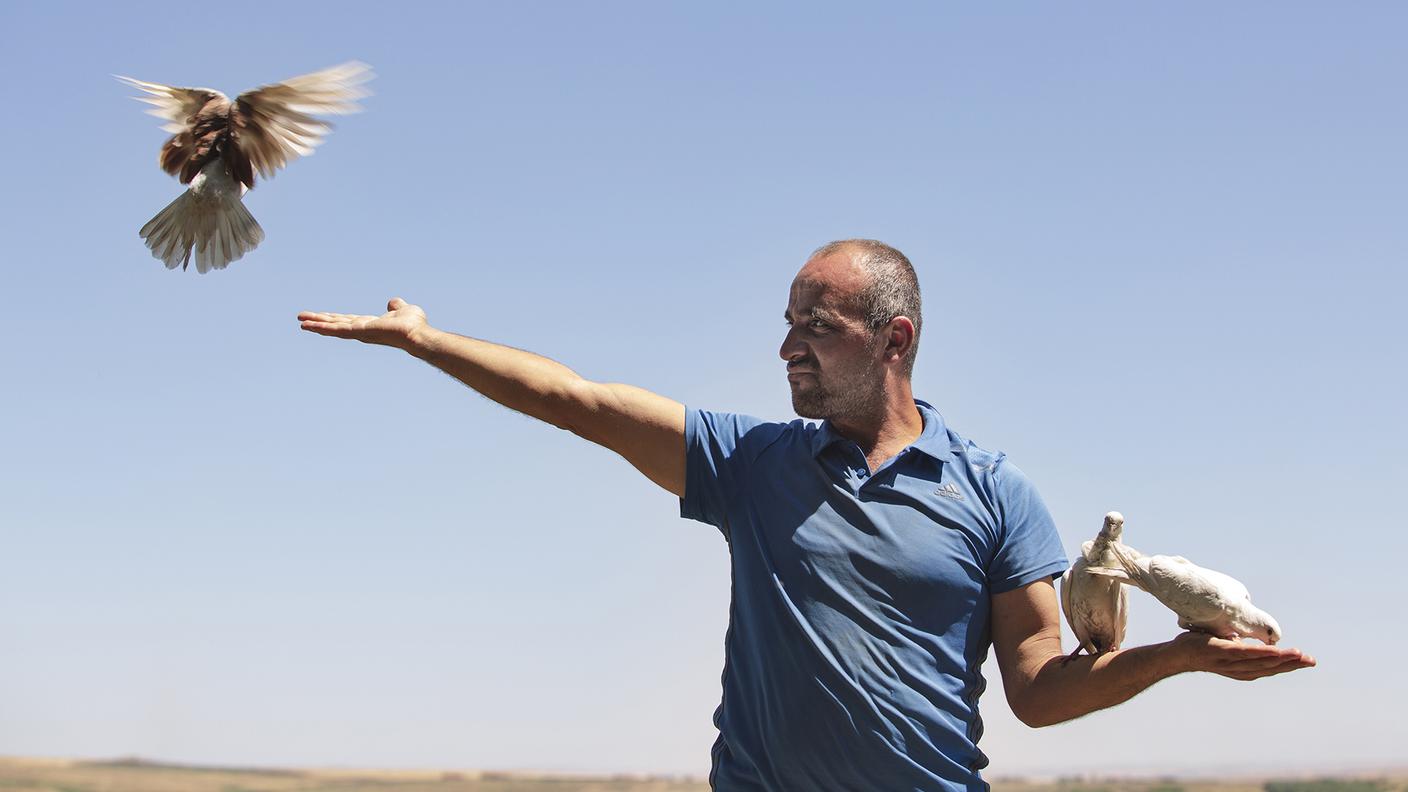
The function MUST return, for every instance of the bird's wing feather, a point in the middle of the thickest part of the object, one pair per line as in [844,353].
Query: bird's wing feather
[1121,617]
[273,124]
[1134,564]
[178,106]
[1184,589]
[1115,574]
[1230,587]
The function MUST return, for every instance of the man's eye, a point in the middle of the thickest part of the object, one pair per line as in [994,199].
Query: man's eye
[817,323]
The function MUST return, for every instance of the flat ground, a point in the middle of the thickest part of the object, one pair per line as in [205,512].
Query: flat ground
[51,775]
[56,775]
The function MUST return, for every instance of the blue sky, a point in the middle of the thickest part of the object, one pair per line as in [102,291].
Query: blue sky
[1162,258]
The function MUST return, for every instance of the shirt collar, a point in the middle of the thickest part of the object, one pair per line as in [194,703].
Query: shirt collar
[932,441]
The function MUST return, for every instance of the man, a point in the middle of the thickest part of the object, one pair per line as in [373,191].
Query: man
[875,557]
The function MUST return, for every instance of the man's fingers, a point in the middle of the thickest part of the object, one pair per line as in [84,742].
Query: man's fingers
[1260,667]
[1247,676]
[338,329]
[1263,663]
[321,316]
[1240,650]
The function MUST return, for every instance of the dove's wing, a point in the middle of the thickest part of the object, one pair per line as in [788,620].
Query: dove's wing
[1121,617]
[178,106]
[1185,589]
[273,124]
[1231,588]
[196,120]
[1086,549]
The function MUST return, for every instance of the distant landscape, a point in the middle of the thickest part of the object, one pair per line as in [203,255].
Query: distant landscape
[138,775]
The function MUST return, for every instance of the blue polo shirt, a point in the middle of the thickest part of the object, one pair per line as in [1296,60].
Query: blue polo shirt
[860,613]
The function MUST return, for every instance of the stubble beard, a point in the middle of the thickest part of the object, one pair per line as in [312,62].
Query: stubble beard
[852,397]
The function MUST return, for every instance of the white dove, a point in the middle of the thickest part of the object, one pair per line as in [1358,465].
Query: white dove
[1204,600]
[218,144]
[1097,608]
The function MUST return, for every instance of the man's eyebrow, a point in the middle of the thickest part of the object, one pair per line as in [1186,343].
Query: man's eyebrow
[815,312]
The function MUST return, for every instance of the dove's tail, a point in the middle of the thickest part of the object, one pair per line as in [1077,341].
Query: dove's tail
[1129,559]
[1130,572]
[216,227]
[1115,574]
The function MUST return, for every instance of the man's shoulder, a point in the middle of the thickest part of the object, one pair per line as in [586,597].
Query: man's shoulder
[749,435]
[990,468]
[975,456]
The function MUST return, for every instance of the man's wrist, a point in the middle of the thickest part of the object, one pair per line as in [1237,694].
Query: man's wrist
[1174,657]
[421,341]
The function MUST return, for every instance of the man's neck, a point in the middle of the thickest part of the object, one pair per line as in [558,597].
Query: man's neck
[884,435]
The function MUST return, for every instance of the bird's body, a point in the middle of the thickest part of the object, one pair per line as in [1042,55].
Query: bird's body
[217,146]
[1203,599]
[1097,608]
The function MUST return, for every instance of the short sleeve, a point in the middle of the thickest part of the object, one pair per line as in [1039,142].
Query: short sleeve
[712,463]
[1030,548]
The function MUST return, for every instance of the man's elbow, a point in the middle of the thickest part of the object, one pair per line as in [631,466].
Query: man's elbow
[1039,720]
[571,405]
[1033,714]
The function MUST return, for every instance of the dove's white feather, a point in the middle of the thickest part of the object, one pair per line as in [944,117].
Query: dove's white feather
[1203,599]
[207,221]
[1096,608]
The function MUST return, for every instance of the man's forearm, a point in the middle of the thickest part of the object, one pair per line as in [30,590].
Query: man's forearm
[522,381]
[1061,690]
[645,428]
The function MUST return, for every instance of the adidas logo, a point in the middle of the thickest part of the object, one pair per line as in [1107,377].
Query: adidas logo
[949,491]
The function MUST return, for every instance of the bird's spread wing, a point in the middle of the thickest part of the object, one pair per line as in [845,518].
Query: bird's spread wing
[178,106]
[275,123]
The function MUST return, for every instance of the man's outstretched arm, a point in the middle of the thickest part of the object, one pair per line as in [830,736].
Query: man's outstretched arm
[645,428]
[1042,688]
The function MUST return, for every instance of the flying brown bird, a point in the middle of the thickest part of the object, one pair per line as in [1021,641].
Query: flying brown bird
[217,146]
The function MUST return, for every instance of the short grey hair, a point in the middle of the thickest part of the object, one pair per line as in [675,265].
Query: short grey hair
[893,289]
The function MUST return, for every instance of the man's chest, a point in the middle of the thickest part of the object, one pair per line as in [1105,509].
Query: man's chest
[904,535]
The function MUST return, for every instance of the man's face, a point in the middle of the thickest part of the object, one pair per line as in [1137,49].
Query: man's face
[833,360]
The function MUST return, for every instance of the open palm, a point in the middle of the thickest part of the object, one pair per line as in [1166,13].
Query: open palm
[397,327]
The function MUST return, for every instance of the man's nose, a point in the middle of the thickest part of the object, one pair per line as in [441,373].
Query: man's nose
[792,348]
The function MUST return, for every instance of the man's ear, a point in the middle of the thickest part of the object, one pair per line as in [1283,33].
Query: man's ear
[899,337]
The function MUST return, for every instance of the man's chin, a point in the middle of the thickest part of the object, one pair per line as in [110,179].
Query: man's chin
[807,407]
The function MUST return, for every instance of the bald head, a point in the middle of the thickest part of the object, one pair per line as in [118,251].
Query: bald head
[881,279]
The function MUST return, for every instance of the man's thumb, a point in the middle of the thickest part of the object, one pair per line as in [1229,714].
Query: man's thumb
[396,304]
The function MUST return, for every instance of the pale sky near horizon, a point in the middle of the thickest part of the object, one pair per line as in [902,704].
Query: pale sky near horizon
[1162,252]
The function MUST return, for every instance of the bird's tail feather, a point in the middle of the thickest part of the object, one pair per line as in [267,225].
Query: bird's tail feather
[1129,559]
[217,230]
[1115,574]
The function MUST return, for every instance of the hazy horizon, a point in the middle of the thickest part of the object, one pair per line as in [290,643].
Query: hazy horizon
[1275,770]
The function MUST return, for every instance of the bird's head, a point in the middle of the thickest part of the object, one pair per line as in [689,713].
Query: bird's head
[1272,631]
[1114,525]
[1259,624]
